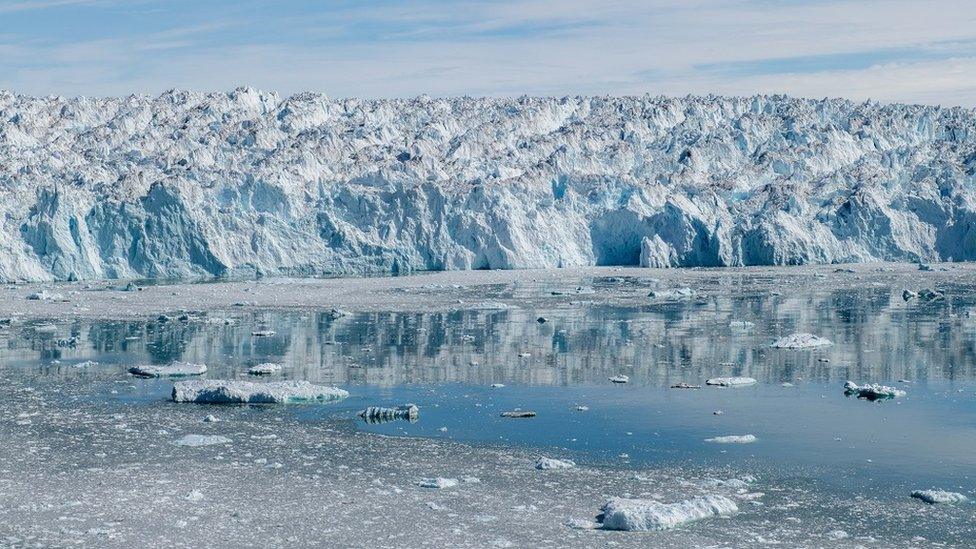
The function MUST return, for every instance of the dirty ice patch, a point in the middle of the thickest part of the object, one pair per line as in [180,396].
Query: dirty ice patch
[801,340]
[637,515]
[247,392]
[733,439]
[938,496]
[202,440]
[173,369]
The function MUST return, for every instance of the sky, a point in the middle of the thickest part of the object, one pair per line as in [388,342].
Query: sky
[917,51]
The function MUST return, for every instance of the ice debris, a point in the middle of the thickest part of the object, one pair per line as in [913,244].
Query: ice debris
[264,369]
[676,293]
[519,413]
[619,379]
[173,369]
[801,340]
[938,496]
[546,463]
[247,392]
[45,295]
[263,333]
[872,391]
[684,385]
[378,414]
[648,515]
[730,381]
[437,483]
[733,439]
[202,440]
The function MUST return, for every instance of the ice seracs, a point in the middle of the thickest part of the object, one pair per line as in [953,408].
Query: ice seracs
[872,391]
[650,515]
[247,392]
[938,496]
[173,369]
[801,340]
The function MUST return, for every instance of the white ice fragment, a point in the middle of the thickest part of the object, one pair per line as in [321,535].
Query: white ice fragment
[86,364]
[546,463]
[801,340]
[247,392]
[582,408]
[676,293]
[519,414]
[379,414]
[621,378]
[263,333]
[437,483]
[648,515]
[194,496]
[741,324]
[45,295]
[836,535]
[497,385]
[264,369]
[733,439]
[202,440]
[173,369]
[938,496]
[872,391]
[210,418]
[730,381]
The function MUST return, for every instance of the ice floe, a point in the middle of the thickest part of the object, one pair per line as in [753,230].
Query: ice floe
[733,439]
[938,496]
[730,381]
[619,379]
[246,392]
[45,295]
[519,413]
[674,293]
[801,340]
[202,440]
[649,515]
[872,391]
[173,369]
[264,369]
[379,414]
[546,463]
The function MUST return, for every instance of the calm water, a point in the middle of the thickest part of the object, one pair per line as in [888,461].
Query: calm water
[446,363]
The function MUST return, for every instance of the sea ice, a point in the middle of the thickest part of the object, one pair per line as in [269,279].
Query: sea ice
[45,295]
[648,515]
[246,392]
[173,369]
[801,340]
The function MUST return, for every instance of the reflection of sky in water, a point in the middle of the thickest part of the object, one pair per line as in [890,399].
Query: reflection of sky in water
[445,362]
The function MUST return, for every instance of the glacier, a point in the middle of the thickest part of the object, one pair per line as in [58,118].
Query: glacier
[248,183]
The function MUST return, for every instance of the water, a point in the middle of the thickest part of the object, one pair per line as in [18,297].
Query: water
[446,362]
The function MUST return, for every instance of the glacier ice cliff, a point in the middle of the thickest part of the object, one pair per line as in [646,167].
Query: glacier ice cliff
[249,183]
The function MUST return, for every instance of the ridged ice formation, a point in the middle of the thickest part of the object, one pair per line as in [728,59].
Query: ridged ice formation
[242,183]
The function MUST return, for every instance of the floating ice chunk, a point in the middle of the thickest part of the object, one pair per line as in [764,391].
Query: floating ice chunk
[684,385]
[195,495]
[377,414]
[582,408]
[519,413]
[908,294]
[263,333]
[86,364]
[872,391]
[730,381]
[801,340]
[202,440]
[619,379]
[646,514]
[676,293]
[938,496]
[924,267]
[210,418]
[247,392]
[837,535]
[741,324]
[45,295]
[545,463]
[437,483]
[264,369]
[733,439]
[173,369]
[928,294]
[582,524]
[497,385]
[337,313]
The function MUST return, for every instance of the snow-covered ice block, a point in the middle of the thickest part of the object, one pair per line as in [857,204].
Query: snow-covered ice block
[264,369]
[173,369]
[202,440]
[379,414]
[648,515]
[730,381]
[938,496]
[801,340]
[872,391]
[246,392]
[733,439]
[546,463]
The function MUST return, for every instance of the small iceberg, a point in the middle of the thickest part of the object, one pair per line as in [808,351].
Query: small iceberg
[45,295]
[676,293]
[872,391]
[801,340]
[545,464]
[173,369]
[437,483]
[730,381]
[378,414]
[202,440]
[247,392]
[263,333]
[619,379]
[519,413]
[640,515]
[684,385]
[264,369]
[733,439]
[933,497]
[741,324]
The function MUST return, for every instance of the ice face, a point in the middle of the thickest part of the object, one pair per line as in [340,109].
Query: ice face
[189,184]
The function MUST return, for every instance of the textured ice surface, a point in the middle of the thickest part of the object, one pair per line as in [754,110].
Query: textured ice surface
[872,391]
[546,463]
[202,440]
[173,369]
[938,496]
[801,340]
[644,514]
[247,392]
[730,381]
[248,182]
[733,439]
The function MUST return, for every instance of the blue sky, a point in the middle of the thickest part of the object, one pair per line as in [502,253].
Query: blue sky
[887,50]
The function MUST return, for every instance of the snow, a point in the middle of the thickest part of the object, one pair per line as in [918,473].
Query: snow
[173,369]
[648,515]
[733,439]
[938,496]
[246,392]
[801,340]
[547,463]
[872,391]
[378,414]
[264,369]
[248,182]
[202,440]
[730,381]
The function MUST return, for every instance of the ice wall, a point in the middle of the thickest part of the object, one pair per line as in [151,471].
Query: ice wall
[192,184]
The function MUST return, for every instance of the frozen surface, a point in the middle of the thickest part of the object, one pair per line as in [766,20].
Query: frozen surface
[248,182]
[648,515]
[214,391]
